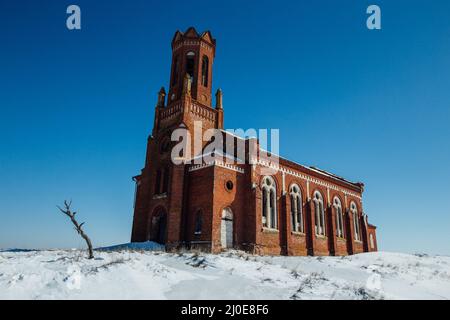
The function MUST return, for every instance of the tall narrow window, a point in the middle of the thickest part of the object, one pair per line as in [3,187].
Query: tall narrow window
[339,217]
[269,203]
[165,185]
[319,214]
[273,217]
[265,218]
[356,226]
[190,65]
[205,71]
[175,72]
[198,223]
[158,182]
[296,209]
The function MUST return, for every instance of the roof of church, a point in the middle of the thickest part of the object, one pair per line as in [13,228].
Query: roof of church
[316,170]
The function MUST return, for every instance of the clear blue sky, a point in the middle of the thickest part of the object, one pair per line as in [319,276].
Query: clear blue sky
[76,107]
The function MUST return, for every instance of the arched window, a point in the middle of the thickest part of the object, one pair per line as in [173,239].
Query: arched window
[319,214]
[158,182]
[165,146]
[198,222]
[265,218]
[296,209]
[158,226]
[205,71]
[162,180]
[269,203]
[339,217]
[356,226]
[190,64]
[372,242]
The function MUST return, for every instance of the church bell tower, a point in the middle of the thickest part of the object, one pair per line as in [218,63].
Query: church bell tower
[192,55]
[160,188]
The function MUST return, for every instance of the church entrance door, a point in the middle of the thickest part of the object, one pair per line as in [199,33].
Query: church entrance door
[161,238]
[158,227]
[226,231]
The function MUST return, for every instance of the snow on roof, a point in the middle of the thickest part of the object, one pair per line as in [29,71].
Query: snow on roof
[321,172]
[332,175]
[236,136]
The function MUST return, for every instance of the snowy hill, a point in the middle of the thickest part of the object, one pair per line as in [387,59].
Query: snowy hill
[124,273]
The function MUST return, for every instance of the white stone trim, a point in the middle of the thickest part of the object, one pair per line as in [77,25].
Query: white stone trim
[328,197]
[308,194]
[218,164]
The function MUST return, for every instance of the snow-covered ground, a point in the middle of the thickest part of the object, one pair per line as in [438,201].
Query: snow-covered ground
[136,273]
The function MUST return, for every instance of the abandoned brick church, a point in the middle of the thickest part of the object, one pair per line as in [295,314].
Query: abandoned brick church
[297,210]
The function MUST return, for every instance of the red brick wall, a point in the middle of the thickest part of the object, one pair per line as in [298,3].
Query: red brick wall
[204,189]
[200,198]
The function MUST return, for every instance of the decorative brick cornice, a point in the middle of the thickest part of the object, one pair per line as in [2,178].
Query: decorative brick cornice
[218,164]
[201,43]
[308,178]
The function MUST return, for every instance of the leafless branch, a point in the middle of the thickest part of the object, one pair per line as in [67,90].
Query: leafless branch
[78,227]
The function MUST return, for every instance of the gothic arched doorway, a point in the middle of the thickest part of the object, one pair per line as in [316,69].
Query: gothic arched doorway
[158,226]
[226,229]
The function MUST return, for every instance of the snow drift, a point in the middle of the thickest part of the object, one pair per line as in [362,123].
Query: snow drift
[139,272]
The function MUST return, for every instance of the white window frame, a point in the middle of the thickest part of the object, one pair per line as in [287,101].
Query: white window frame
[296,209]
[269,209]
[356,224]
[319,211]
[337,204]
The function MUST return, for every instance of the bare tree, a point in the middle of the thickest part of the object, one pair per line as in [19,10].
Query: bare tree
[78,227]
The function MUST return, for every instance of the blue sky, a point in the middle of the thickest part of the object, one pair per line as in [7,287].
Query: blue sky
[77,106]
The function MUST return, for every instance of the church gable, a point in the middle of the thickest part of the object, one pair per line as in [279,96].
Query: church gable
[191,33]
[208,37]
[177,37]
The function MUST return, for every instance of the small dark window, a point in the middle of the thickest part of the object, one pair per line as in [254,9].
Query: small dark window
[198,223]
[165,146]
[158,182]
[205,71]
[229,185]
[166,179]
